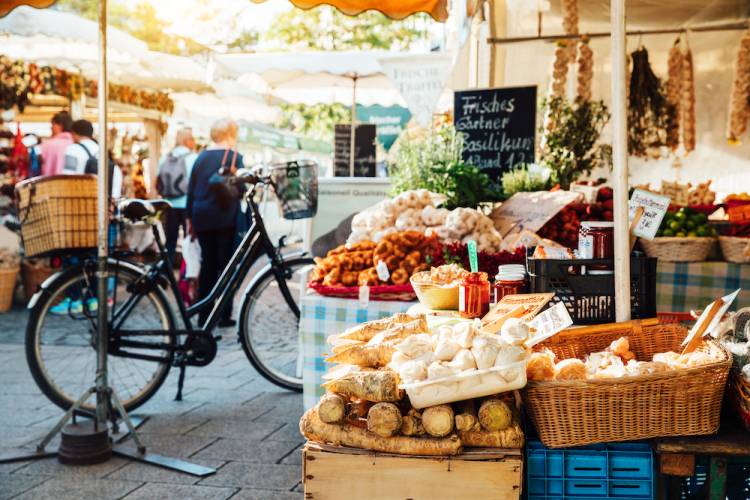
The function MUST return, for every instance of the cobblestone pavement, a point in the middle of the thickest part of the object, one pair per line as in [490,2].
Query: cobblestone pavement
[230,419]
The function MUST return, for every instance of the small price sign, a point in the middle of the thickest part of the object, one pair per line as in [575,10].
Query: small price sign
[647,210]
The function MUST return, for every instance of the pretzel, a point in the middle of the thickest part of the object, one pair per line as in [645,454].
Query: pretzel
[350,278]
[399,277]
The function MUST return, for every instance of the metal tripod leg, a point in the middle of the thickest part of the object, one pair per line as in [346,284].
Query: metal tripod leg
[61,423]
[124,416]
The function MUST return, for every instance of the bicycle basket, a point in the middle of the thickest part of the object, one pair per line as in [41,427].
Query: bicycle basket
[296,185]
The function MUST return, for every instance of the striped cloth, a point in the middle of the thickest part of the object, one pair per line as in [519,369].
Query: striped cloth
[682,286]
[324,316]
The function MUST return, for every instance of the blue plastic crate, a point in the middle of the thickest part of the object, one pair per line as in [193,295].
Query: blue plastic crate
[622,471]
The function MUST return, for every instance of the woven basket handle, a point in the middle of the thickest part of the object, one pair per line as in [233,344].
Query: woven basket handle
[635,326]
[32,192]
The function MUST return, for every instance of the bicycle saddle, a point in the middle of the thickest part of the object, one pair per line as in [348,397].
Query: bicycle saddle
[139,210]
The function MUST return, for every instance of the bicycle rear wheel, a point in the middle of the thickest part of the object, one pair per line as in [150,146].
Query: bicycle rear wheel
[60,338]
[269,326]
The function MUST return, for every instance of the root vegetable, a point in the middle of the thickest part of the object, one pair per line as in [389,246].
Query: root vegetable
[384,419]
[365,356]
[315,429]
[376,386]
[466,419]
[400,332]
[366,331]
[331,408]
[358,408]
[494,415]
[411,425]
[512,437]
[438,420]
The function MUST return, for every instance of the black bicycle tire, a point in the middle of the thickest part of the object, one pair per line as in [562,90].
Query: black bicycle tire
[31,329]
[242,324]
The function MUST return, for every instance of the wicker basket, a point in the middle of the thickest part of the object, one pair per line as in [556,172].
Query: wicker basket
[32,277]
[740,389]
[57,213]
[7,287]
[680,402]
[735,249]
[403,293]
[678,249]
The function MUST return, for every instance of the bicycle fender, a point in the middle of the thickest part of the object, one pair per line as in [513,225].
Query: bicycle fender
[267,268]
[63,273]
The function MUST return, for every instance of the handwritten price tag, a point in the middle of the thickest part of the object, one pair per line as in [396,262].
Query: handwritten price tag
[549,323]
[654,208]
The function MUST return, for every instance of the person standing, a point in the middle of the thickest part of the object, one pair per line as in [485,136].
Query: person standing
[209,218]
[172,181]
[53,149]
[82,153]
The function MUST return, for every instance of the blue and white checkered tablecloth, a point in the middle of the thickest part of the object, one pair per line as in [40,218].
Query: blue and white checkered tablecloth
[324,316]
[682,286]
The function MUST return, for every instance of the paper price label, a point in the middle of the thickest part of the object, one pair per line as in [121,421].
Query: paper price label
[654,208]
[364,296]
[549,323]
[383,273]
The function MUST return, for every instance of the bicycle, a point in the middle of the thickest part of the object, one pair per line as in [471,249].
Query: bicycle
[144,343]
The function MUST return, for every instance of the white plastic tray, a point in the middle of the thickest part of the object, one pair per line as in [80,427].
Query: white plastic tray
[467,385]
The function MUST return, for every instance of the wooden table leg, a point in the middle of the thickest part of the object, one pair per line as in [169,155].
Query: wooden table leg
[717,478]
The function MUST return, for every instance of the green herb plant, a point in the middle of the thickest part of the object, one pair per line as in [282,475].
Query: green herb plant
[521,179]
[434,163]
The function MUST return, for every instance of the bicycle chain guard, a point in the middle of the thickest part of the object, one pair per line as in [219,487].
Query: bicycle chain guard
[200,349]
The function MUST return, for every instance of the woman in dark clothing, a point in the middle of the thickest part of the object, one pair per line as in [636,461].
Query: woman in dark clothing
[212,222]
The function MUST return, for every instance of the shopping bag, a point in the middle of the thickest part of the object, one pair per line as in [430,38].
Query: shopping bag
[191,254]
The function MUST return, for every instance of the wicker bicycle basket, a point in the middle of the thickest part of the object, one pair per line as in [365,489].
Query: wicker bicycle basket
[680,402]
[57,213]
[674,249]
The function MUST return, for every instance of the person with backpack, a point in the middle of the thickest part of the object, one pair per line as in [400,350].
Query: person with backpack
[82,157]
[172,184]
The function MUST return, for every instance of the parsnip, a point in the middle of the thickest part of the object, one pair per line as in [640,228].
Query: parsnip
[331,408]
[376,386]
[466,419]
[365,356]
[438,420]
[412,426]
[367,331]
[494,415]
[315,429]
[384,419]
[512,437]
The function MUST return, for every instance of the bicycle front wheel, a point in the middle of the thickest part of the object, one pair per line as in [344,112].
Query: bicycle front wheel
[61,338]
[269,324]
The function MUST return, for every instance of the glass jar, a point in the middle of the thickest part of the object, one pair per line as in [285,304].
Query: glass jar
[596,240]
[474,296]
[510,280]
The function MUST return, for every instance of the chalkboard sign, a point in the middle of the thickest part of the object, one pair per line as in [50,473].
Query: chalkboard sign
[364,150]
[498,125]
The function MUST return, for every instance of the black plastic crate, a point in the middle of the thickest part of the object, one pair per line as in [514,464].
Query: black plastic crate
[590,298]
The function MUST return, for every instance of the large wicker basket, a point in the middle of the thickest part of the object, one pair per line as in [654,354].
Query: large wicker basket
[735,249]
[740,390]
[57,213]
[674,249]
[676,403]
[7,287]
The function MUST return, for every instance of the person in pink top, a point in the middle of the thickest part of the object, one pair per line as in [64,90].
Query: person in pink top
[53,149]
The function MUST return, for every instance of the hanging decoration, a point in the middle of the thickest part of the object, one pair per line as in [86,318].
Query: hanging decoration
[565,53]
[740,100]
[648,109]
[585,70]
[688,102]
[19,79]
[674,94]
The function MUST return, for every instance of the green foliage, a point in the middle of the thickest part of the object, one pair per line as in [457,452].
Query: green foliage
[570,148]
[520,180]
[326,28]
[315,121]
[434,163]
[245,41]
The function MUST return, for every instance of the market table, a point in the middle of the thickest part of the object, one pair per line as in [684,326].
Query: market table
[323,316]
[682,286]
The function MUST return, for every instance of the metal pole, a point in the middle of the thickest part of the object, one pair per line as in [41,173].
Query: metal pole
[620,161]
[102,398]
[353,131]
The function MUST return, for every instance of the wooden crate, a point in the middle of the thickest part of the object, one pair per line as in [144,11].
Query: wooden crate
[333,473]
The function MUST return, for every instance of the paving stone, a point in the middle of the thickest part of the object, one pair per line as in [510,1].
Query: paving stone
[11,486]
[155,491]
[170,423]
[241,395]
[259,476]
[290,432]
[52,467]
[255,494]
[174,445]
[236,428]
[246,450]
[295,457]
[137,471]
[227,411]
[77,489]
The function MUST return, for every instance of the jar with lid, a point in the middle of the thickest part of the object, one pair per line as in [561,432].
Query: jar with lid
[474,296]
[510,280]
[596,240]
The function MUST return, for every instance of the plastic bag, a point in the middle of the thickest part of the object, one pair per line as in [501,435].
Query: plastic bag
[191,254]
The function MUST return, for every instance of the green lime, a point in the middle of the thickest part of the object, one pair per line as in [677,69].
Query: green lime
[668,232]
[680,234]
[692,234]
[675,225]
[690,224]
[680,216]
[701,218]
[687,210]
[714,233]
[701,231]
